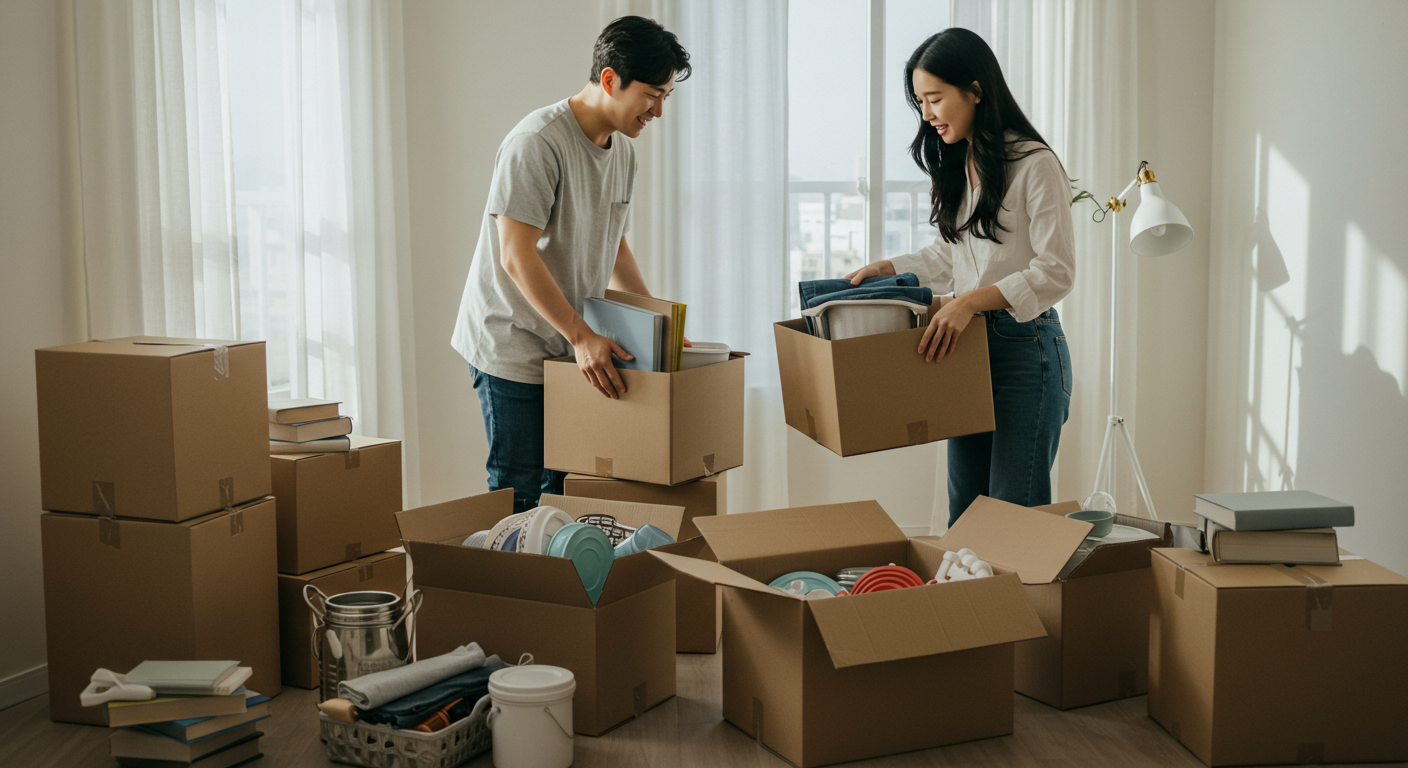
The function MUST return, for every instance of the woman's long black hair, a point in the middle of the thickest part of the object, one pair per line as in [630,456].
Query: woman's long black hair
[960,57]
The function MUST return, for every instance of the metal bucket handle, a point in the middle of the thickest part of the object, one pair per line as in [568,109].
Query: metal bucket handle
[318,616]
[412,603]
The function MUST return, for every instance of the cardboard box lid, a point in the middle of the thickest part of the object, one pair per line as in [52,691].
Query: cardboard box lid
[749,536]
[148,346]
[1349,573]
[632,514]
[359,442]
[1035,544]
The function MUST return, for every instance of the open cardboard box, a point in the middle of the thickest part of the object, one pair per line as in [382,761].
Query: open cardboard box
[1097,619]
[151,427]
[668,428]
[873,393]
[1262,664]
[383,572]
[622,650]
[336,507]
[848,678]
[118,592]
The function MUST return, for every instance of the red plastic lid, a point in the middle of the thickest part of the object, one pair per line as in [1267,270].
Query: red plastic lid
[886,577]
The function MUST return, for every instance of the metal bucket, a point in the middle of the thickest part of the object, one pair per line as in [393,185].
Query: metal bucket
[358,633]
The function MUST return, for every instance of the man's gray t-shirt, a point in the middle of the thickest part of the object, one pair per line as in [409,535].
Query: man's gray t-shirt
[548,175]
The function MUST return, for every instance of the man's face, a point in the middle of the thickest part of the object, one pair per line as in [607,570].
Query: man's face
[636,104]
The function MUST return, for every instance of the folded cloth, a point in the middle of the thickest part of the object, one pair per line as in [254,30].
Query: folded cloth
[378,688]
[413,709]
[905,286]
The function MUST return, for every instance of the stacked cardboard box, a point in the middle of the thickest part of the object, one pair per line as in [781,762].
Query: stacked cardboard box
[849,678]
[1262,664]
[621,650]
[666,441]
[698,604]
[336,522]
[159,542]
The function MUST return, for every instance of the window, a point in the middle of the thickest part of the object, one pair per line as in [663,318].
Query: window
[853,193]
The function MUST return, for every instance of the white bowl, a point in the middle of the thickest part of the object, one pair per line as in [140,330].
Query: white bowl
[703,353]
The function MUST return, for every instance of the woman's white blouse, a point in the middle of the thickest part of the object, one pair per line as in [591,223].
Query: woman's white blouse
[1035,264]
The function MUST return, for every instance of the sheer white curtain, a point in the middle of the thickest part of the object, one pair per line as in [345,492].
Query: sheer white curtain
[1071,65]
[154,205]
[711,230]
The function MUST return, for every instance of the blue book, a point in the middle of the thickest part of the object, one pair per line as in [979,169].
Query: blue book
[638,331]
[256,707]
[1273,510]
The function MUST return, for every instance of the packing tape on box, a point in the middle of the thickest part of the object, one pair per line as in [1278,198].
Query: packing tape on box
[708,464]
[638,699]
[604,467]
[1178,577]
[352,459]
[227,493]
[104,498]
[811,424]
[236,522]
[1319,598]
[352,551]
[108,532]
[222,352]
[365,572]
[918,432]
[1310,754]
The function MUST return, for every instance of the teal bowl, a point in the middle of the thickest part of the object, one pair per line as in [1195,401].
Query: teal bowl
[1103,521]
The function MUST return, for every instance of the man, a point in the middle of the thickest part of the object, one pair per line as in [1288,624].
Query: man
[553,235]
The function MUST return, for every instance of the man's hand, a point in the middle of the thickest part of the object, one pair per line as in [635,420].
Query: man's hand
[877,269]
[941,337]
[594,361]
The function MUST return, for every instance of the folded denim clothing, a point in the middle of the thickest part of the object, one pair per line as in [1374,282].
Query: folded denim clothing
[372,691]
[904,287]
[412,709]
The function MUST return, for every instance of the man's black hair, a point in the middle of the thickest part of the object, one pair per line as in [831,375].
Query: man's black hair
[638,48]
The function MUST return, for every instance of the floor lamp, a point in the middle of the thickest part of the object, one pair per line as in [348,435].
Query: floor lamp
[1158,229]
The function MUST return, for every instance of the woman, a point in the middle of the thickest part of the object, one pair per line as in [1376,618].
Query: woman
[1001,202]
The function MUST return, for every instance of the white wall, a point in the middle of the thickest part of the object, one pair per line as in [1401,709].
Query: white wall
[473,70]
[1308,332]
[32,295]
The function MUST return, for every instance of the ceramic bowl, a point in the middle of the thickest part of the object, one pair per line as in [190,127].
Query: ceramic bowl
[1103,521]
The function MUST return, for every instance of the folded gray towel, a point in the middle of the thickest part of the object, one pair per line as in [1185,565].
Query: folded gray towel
[378,688]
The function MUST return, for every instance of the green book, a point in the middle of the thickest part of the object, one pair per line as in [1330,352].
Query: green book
[190,678]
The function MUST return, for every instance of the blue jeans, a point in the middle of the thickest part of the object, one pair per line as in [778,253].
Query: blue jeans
[513,422]
[1031,398]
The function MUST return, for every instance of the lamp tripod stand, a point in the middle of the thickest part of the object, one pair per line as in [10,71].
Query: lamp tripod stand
[1158,228]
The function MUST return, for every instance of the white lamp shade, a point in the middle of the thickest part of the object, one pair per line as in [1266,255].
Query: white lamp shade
[1158,228]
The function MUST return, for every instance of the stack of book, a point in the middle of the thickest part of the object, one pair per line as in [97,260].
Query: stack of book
[201,716]
[1290,527]
[308,426]
[651,330]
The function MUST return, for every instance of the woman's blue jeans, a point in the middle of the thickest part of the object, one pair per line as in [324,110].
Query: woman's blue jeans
[1031,398]
[513,423]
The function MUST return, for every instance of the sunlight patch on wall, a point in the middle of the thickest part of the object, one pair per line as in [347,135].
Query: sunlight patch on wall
[1375,306]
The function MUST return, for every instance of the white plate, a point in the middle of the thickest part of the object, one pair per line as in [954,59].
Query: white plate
[546,522]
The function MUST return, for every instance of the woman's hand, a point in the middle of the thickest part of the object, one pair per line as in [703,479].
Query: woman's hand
[941,337]
[877,269]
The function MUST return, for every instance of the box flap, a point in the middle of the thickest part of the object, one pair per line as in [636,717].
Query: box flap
[632,575]
[491,572]
[1035,544]
[1349,573]
[798,530]
[714,573]
[922,621]
[454,520]
[1129,556]
[632,514]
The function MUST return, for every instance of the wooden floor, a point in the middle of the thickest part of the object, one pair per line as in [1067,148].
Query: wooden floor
[687,730]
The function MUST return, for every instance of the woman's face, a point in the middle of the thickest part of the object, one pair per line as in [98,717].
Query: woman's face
[948,109]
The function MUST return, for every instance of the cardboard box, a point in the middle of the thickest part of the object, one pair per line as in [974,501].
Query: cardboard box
[383,572]
[118,592]
[699,605]
[335,507]
[1258,664]
[669,428]
[163,429]
[873,393]
[622,651]
[1096,647]
[848,678]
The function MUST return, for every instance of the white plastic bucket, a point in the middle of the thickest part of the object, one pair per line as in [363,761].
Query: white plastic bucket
[532,716]
[703,353]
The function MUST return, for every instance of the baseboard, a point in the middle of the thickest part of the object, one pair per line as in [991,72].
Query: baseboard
[24,686]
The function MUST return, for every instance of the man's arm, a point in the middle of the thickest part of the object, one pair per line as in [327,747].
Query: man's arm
[625,276]
[518,243]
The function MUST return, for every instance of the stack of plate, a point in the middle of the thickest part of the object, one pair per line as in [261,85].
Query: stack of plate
[847,577]
[543,524]
[887,577]
[810,580]
[589,550]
